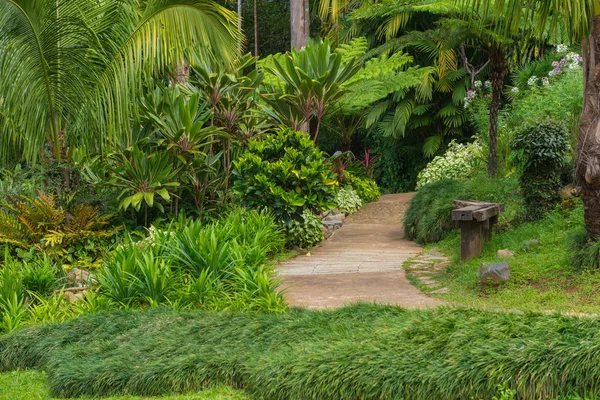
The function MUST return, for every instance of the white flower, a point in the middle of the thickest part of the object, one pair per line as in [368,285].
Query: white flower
[545,81]
[562,48]
[457,163]
[532,81]
[488,84]
[573,57]
[515,90]
[478,84]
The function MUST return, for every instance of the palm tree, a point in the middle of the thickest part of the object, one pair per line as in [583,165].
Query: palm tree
[580,19]
[71,71]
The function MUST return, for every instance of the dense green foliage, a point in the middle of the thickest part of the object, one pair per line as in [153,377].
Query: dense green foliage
[72,72]
[285,172]
[461,161]
[306,232]
[429,216]
[32,385]
[362,351]
[348,200]
[542,151]
[223,265]
[365,187]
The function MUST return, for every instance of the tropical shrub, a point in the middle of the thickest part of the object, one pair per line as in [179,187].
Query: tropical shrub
[541,150]
[77,233]
[348,200]
[366,188]
[306,233]
[219,265]
[286,173]
[429,216]
[459,162]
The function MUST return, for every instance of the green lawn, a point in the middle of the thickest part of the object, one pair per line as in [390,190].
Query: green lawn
[542,277]
[32,385]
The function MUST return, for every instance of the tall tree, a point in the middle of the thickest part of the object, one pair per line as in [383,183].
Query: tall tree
[580,20]
[300,23]
[71,70]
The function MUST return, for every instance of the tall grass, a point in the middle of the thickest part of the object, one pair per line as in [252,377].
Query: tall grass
[359,352]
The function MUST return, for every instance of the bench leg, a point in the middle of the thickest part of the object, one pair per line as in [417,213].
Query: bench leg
[471,240]
[488,226]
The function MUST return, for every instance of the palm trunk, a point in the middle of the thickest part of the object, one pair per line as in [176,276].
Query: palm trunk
[588,150]
[300,23]
[497,72]
[255,29]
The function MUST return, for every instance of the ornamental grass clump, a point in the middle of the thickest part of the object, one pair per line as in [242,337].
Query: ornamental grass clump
[357,352]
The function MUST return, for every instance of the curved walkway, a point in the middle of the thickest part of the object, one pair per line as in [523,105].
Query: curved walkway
[362,261]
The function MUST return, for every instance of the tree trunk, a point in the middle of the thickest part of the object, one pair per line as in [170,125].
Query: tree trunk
[588,150]
[300,23]
[255,29]
[497,72]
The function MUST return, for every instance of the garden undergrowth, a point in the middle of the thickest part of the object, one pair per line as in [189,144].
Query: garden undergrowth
[32,385]
[358,352]
[543,276]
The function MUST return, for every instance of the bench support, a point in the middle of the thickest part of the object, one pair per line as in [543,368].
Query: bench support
[476,221]
[471,239]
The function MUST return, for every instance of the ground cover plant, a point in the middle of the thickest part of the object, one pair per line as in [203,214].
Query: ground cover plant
[363,351]
[548,275]
[32,385]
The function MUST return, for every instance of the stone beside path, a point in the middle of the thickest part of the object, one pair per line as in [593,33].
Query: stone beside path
[361,261]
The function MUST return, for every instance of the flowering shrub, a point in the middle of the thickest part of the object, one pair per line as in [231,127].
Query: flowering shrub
[348,200]
[459,162]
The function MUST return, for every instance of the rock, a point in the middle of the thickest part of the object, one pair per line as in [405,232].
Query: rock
[441,291]
[494,273]
[567,192]
[324,214]
[335,211]
[505,254]
[442,265]
[332,224]
[78,277]
[335,217]
[428,282]
[530,243]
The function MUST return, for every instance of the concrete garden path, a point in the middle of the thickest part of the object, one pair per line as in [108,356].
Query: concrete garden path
[361,261]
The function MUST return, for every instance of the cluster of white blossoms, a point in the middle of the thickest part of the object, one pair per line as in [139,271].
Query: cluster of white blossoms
[562,48]
[458,162]
[532,81]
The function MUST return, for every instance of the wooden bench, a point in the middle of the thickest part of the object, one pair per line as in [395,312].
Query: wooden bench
[475,220]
